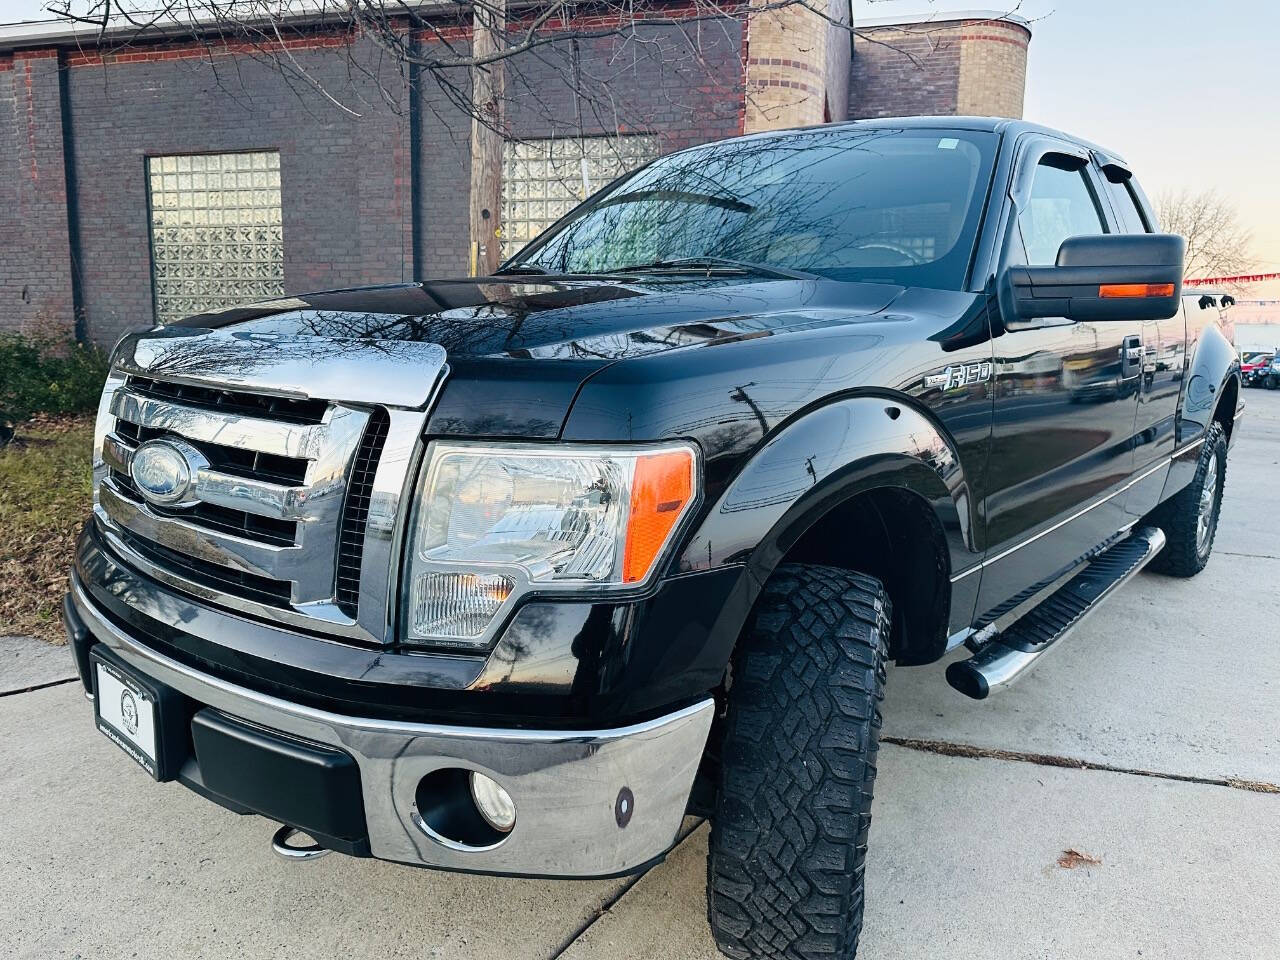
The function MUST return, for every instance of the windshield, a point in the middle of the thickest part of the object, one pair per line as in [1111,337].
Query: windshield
[875,203]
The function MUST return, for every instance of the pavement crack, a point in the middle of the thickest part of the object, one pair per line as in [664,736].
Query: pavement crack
[608,904]
[38,686]
[1251,556]
[946,748]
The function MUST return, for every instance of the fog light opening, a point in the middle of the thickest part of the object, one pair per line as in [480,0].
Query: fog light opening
[463,810]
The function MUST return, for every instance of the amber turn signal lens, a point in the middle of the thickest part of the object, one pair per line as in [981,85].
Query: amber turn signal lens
[1112,291]
[660,490]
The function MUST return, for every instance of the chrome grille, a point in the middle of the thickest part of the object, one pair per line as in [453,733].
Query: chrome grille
[267,524]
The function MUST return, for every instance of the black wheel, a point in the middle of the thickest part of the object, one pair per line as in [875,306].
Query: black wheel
[1272,381]
[1189,519]
[798,762]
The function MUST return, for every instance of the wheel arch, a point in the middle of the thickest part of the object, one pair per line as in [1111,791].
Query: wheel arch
[1228,403]
[866,467]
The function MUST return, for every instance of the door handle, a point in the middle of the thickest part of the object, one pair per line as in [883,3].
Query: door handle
[1131,353]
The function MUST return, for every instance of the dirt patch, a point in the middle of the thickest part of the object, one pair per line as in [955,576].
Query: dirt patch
[1073,859]
[1253,786]
[45,497]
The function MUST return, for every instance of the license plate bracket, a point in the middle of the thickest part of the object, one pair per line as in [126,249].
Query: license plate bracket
[144,718]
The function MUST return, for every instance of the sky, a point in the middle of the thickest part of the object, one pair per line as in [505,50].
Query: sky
[1188,91]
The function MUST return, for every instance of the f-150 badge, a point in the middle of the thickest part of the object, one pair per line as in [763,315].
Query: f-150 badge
[960,375]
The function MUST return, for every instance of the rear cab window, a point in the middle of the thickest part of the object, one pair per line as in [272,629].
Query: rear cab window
[1123,193]
[1062,204]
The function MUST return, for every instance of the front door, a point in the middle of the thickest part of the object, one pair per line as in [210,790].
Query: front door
[1066,397]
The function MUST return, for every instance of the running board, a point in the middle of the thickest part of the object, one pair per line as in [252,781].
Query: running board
[1012,653]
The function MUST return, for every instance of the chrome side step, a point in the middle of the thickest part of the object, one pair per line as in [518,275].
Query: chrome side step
[1010,654]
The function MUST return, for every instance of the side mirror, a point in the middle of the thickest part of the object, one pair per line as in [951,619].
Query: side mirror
[1111,276]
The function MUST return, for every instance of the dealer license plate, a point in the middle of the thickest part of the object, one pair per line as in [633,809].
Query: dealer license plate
[126,713]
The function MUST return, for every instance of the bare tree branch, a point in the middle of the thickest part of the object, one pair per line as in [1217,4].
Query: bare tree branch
[1217,243]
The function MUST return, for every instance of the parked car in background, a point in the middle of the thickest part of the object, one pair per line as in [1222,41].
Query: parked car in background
[1269,376]
[1254,366]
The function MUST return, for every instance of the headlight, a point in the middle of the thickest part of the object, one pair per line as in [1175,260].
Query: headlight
[493,522]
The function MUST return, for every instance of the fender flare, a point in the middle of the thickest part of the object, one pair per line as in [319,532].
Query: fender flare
[1214,364]
[810,465]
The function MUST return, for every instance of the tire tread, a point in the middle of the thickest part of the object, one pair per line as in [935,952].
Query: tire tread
[1177,515]
[789,838]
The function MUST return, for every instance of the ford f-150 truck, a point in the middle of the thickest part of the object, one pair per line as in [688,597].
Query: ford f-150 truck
[510,574]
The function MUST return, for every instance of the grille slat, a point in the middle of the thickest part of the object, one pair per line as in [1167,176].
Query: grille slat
[239,523]
[265,590]
[287,409]
[245,463]
[355,513]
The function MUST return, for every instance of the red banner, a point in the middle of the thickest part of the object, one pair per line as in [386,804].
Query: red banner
[1248,278]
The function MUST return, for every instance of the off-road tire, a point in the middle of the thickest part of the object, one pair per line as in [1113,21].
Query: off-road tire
[1184,555]
[798,762]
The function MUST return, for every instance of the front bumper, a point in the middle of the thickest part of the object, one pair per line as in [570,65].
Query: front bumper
[566,784]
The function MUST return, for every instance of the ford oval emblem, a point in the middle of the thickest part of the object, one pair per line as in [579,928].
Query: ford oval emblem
[165,472]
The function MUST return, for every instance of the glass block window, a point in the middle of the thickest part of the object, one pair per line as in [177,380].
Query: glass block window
[542,180]
[216,233]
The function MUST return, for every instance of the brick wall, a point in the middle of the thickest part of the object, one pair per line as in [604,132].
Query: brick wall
[965,67]
[35,262]
[786,68]
[903,71]
[993,70]
[683,83]
[344,179]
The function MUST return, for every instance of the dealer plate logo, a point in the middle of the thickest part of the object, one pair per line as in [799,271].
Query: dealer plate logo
[129,712]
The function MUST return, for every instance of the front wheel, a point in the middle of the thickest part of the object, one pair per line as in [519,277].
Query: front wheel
[1189,519]
[798,762]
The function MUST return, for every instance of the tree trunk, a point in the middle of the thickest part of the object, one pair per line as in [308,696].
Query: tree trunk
[488,24]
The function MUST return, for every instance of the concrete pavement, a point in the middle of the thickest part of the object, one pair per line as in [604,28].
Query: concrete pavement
[1173,677]
[26,663]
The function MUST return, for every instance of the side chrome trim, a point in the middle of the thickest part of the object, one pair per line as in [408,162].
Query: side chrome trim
[564,782]
[1182,451]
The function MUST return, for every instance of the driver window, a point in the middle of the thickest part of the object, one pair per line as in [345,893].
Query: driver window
[1062,205]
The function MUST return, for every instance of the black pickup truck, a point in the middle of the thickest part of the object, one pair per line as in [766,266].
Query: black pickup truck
[510,574]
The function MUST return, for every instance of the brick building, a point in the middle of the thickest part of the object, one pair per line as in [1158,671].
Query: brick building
[143,184]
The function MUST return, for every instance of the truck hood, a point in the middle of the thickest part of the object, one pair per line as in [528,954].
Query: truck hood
[522,344]
[553,318]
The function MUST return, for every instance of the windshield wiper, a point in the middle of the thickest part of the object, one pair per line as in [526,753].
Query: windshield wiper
[527,269]
[716,263]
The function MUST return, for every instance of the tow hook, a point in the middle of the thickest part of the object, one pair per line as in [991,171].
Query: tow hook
[297,854]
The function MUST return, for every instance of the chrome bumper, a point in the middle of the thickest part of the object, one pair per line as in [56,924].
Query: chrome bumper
[565,783]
